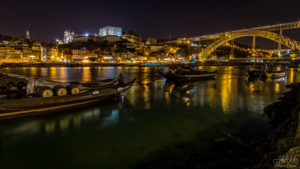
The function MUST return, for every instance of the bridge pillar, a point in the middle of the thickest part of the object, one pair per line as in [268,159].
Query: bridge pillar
[253,42]
[279,44]
[231,56]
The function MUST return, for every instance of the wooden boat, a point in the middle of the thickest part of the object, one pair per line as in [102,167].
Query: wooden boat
[187,75]
[263,74]
[264,71]
[10,108]
[275,74]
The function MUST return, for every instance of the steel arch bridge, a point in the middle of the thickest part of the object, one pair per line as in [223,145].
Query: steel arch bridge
[292,44]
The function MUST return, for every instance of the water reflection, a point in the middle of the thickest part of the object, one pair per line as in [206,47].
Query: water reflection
[112,119]
[155,113]
[226,89]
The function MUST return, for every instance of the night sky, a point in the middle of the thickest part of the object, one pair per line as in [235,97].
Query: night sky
[47,20]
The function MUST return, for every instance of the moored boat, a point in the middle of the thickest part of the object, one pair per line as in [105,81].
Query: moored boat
[275,74]
[259,73]
[187,75]
[35,105]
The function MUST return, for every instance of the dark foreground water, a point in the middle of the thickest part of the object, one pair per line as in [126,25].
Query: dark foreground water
[203,124]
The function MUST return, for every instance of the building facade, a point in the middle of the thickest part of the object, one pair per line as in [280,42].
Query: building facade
[68,36]
[110,31]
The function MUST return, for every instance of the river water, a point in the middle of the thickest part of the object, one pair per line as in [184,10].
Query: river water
[154,115]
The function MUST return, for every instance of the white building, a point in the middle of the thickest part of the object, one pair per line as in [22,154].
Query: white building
[110,31]
[27,35]
[68,36]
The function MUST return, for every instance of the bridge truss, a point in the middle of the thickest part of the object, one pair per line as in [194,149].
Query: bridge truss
[292,44]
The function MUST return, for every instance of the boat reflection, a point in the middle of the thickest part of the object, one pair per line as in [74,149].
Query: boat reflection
[106,116]
[111,120]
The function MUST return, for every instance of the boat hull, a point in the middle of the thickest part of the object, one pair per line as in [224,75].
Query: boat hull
[188,78]
[277,74]
[15,108]
[39,105]
[255,74]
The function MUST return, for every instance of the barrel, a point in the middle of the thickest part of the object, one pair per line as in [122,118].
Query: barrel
[73,89]
[44,91]
[60,91]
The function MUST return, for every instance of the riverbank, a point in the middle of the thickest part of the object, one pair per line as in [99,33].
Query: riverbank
[294,64]
[282,149]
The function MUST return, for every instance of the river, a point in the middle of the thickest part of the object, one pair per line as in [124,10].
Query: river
[154,117]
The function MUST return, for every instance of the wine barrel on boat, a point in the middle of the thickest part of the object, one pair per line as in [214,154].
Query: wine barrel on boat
[60,91]
[44,91]
[48,102]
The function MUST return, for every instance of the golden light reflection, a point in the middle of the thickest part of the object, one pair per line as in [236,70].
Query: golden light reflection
[76,121]
[226,89]
[50,127]
[167,96]
[187,101]
[146,97]
[292,75]
[255,86]
[62,74]
[168,91]
[278,68]
[53,73]
[147,69]
[44,72]
[277,88]
[33,71]
[64,124]
[211,95]
[251,87]
[86,76]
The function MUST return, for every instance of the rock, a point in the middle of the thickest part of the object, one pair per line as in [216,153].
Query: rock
[284,116]
[284,144]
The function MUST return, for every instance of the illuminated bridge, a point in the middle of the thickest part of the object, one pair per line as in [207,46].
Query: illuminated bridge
[263,31]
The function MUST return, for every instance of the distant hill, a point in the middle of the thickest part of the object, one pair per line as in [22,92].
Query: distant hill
[4,37]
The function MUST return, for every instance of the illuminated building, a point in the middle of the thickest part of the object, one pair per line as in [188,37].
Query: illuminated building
[156,48]
[27,35]
[10,55]
[68,36]
[151,41]
[37,51]
[110,31]
[81,55]
[27,52]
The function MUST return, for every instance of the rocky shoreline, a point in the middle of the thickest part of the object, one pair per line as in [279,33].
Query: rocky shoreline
[282,149]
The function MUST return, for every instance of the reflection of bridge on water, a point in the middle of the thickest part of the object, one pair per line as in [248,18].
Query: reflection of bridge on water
[267,32]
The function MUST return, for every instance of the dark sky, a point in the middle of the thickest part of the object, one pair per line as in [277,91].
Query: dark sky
[157,18]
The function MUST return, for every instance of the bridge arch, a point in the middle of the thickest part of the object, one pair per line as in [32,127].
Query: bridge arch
[292,44]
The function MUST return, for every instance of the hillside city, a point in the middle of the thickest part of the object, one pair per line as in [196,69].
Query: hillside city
[111,45]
